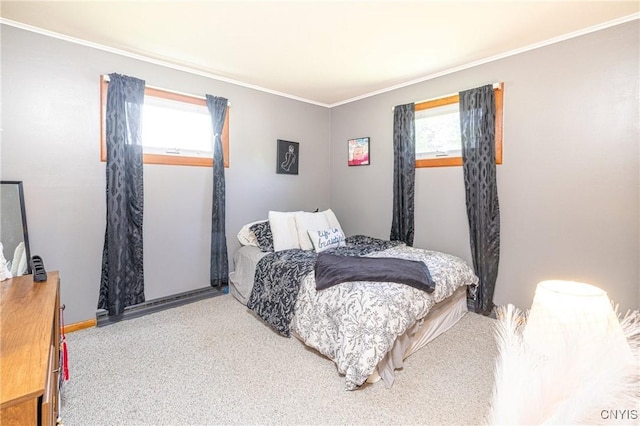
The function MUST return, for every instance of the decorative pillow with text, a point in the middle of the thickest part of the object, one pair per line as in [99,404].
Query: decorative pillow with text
[326,239]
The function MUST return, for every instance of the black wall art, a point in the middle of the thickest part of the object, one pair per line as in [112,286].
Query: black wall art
[288,157]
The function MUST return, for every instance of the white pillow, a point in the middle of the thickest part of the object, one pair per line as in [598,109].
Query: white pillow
[306,221]
[325,239]
[246,235]
[283,228]
[333,220]
[5,274]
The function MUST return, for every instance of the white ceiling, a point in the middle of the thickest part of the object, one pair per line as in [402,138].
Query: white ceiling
[324,52]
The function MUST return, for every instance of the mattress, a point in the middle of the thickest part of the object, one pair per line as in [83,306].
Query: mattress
[241,279]
[442,316]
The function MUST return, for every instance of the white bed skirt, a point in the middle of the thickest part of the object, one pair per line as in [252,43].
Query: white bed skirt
[440,318]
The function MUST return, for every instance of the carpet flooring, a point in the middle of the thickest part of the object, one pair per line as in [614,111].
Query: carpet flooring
[213,362]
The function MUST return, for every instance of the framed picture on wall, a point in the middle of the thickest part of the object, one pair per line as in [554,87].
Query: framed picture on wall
[288,157]
[358,152]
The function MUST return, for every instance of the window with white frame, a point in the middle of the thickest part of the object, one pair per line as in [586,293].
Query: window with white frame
[437,131]
[176,129]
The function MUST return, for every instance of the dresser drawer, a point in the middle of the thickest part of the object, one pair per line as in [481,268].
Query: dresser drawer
[48,406]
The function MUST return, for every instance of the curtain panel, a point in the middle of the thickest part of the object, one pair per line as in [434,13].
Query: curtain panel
[219,264]
[404,173]
[477,125]
[122,280]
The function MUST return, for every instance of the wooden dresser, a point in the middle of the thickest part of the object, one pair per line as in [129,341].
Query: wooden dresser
[29,350]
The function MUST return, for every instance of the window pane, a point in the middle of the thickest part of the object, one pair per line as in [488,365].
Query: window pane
[438,132]
[170,127]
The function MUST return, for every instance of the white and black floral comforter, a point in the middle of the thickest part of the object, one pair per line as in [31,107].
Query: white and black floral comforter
[355,323]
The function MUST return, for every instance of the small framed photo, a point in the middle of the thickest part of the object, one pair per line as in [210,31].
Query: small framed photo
[288,157]
[358,152]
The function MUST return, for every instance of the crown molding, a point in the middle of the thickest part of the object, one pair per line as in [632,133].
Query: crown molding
[212,76]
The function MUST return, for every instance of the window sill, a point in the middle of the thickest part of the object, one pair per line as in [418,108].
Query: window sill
[175,160]
[446,162]
[439,162]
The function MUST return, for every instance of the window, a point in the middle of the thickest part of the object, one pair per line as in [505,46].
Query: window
[437,129]
[176,129]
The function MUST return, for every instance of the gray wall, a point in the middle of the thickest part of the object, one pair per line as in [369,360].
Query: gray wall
[568,187]
[50,140]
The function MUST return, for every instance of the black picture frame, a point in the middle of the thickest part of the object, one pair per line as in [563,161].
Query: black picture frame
[288,157]
[358,153]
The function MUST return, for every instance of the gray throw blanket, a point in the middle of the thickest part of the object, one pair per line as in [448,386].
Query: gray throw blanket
[331,270]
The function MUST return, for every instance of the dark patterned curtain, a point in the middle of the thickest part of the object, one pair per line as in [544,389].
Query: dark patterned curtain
[122,281]
[477,125]
[404,173]
[219,269]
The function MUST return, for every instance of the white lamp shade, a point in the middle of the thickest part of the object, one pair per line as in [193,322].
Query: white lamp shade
[570,363]
[571,313]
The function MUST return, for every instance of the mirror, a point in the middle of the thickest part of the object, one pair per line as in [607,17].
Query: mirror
[13,228]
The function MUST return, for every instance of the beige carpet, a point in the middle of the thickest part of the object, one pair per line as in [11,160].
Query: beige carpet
[213,362]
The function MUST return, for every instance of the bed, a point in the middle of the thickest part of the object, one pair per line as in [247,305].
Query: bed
[367,328]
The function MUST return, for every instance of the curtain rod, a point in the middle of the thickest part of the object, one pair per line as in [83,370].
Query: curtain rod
[495,86]
[106,77]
